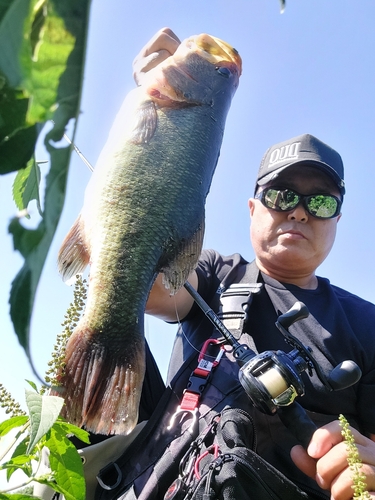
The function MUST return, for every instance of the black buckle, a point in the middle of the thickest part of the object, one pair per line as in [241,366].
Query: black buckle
[235,302]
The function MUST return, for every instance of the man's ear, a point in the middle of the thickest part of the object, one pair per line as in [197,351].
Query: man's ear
[251,204]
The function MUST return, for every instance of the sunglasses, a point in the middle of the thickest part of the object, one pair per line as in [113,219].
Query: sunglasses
[322,206]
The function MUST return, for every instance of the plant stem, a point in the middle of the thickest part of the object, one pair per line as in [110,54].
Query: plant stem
[15,439]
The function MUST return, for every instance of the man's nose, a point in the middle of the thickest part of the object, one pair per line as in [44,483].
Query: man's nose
[299,213]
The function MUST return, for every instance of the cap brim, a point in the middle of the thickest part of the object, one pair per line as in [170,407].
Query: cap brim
[323,167]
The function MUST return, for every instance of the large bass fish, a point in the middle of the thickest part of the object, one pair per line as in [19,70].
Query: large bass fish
[143,214]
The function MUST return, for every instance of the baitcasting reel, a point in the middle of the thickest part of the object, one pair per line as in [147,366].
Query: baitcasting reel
[273,378]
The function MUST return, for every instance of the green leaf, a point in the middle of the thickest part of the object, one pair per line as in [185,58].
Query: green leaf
[67,19]
[70,429]
[17,462]
[12,423]
[13,109]
[44,411]
[26,186]
[21,448]
[4,5]
[48,63]
[17,139]
[41,62]
[17,496]
[34,246]
[17,136]
[14,25]
[66,464]
[17,150]
[20,451]
[33,385]
[25,241]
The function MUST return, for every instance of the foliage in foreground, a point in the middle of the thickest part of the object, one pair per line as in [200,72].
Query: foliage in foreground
[28,436]
[41,72]
[24,440]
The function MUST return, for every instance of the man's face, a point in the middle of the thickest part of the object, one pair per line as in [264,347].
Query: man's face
[293,244]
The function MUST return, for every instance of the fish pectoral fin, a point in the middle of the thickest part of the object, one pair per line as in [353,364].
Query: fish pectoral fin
[177,271]
[73,255]
[146,120]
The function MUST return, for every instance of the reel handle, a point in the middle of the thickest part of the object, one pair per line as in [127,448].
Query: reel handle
[345,374]
[295,313]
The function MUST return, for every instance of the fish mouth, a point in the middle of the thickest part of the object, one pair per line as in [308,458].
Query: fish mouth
[216,51]
[167,85]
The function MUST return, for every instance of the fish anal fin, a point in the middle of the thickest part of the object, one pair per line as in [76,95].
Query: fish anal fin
[102,388]
[177,271]
[74,254]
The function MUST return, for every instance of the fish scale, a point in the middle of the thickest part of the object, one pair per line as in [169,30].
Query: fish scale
[143,214]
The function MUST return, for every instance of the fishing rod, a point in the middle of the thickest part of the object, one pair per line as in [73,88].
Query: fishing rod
[78,151]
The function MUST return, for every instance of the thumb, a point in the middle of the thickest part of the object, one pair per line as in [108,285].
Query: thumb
[141,66]
[303,461]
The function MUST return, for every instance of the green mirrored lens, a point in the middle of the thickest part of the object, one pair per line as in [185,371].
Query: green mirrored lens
[324,206]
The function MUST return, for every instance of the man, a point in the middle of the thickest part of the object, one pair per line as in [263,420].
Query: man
[294,216]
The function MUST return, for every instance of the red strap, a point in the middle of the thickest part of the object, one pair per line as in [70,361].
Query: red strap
[189,401]
[198,379]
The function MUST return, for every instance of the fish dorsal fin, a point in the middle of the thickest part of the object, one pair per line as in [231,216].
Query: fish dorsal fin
[74,255]
[177,271]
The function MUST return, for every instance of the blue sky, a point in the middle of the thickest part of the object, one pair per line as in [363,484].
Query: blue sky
[310,69]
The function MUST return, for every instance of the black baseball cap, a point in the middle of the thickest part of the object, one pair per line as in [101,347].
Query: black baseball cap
[302,150]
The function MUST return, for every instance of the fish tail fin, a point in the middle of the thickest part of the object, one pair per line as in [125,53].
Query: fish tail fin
[74,255]
[177,271]
[102,387]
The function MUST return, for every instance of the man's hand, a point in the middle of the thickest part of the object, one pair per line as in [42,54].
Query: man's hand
[326,461]
[162,45]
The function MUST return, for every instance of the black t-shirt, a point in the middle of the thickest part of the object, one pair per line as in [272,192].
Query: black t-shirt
[341,327]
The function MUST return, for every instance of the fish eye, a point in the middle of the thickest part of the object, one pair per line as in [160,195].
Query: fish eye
[224,71]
